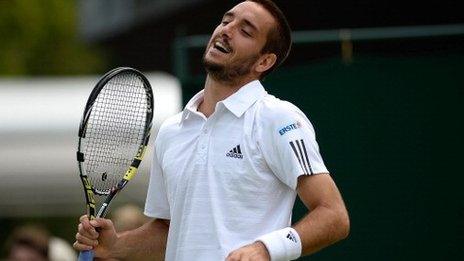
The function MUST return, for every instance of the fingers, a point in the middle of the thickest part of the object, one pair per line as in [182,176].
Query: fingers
[234,256]
[87,235]
[81,247]
[83,243]
[249,252]
[86,228]
[102,224]
[238,256]
[96,232]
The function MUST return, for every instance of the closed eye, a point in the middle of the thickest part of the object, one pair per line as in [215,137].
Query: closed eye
[246,33]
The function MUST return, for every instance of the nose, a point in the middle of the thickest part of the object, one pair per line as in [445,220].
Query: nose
[227,30]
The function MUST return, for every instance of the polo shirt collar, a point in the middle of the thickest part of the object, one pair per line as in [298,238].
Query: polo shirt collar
[241,100]
[237,103]
[192,105]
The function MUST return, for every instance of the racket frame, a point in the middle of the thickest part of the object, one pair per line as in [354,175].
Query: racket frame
[90,191]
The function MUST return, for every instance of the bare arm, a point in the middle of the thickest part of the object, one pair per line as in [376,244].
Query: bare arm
[327,221]
[147,242]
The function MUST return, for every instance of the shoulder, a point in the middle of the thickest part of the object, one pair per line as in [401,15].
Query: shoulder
[168,127]
[274,112]
[171,121]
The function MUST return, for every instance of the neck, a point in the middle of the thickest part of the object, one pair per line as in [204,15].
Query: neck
[216,91]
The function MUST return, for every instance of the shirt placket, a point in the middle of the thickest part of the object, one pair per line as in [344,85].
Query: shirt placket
[205,137]
[203,144]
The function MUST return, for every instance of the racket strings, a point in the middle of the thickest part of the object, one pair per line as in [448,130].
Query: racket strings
[115,130]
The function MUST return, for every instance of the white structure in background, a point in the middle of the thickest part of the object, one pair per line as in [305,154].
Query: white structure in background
[39,119]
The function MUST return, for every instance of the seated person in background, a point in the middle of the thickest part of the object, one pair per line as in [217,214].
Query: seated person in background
[60,250]
[35,243]
[28,243]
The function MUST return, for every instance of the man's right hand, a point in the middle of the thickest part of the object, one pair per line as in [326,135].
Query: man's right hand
[98,235]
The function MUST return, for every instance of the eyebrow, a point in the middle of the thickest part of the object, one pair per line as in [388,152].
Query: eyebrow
[246,21]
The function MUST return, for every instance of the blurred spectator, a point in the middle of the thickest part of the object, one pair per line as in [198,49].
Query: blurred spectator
[28,243]
[34,243]
[128,217]
[60,250]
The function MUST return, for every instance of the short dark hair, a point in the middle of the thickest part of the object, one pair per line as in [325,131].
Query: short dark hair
[279,40]
[33,237]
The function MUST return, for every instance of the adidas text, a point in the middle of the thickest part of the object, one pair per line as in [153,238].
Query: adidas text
[234,155]
[236,152]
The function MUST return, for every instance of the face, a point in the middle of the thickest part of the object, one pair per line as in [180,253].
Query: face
[25,253]
[234,49]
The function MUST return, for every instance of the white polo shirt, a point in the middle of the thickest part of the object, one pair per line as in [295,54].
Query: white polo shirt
[225,180]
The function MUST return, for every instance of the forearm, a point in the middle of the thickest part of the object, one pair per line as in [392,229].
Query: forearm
[322,227]
[147,242]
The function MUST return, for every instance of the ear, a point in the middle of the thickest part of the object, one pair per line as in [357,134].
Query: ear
[265,62]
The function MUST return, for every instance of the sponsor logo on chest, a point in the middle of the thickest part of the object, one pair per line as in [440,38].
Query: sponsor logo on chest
[236,152]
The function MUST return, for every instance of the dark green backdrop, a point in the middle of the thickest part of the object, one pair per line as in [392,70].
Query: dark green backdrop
[390,131]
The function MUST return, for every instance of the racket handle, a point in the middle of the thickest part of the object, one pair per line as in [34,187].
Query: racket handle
[86,255]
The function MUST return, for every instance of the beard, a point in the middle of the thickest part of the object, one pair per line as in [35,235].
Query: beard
[229,73]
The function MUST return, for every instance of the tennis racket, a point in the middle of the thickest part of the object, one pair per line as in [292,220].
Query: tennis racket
[113,134]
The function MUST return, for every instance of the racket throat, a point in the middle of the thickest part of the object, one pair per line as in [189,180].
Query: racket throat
[103,210]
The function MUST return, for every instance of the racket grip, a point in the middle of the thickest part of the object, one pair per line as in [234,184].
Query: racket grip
[86,255]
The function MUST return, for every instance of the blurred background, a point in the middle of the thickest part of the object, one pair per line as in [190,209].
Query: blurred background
[382,81]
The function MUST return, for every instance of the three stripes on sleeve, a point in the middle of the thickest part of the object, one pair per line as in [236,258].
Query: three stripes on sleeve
[301,154]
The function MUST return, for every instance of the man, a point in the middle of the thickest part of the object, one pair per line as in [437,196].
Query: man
[29,242]
[227,169]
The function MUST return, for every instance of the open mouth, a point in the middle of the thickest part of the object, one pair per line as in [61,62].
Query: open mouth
[222,47]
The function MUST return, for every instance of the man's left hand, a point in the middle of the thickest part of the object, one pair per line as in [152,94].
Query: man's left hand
[252,252]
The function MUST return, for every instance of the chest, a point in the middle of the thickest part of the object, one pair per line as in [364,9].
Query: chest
[219,157]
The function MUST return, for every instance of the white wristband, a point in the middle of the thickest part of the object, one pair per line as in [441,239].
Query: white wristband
[283,244]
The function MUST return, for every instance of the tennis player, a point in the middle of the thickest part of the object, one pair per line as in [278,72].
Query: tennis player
[226,171]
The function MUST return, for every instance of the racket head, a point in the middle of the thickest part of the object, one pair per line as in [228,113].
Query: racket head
[113,132]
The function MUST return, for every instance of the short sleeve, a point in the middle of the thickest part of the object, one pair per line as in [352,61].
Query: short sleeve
[156,204]
[288,143]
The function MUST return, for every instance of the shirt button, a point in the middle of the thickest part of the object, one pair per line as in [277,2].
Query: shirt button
[205,131]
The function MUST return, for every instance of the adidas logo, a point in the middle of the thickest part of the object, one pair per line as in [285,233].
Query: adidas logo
[291,237]
[235,153]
